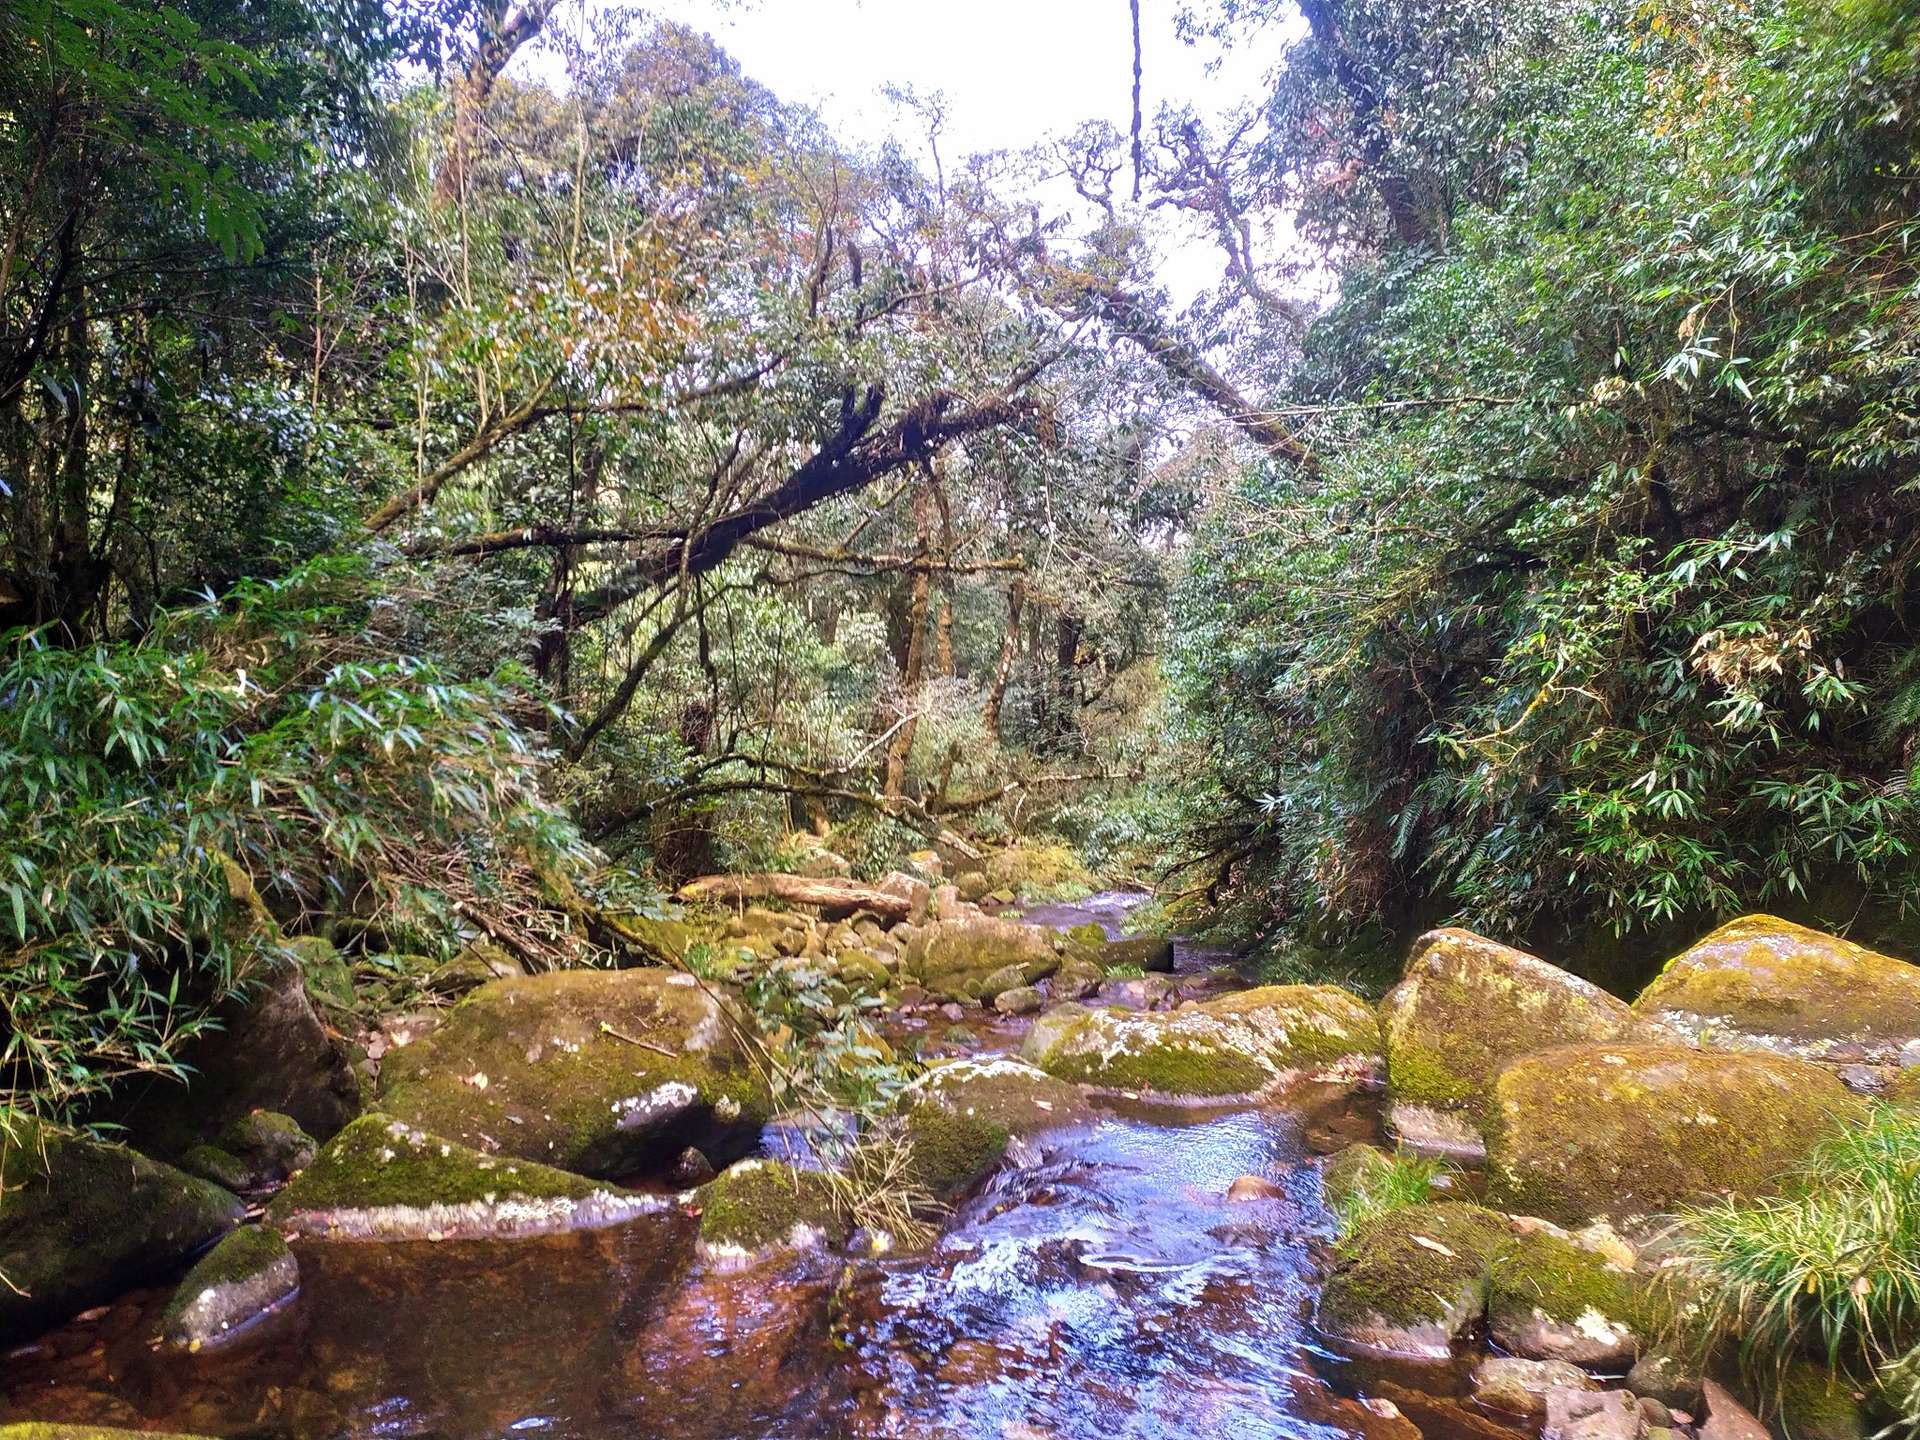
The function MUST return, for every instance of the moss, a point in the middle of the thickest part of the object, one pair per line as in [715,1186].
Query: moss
[1468,1005]
[45,1430]
[81,1220]
[1234,1045]
[952,1149]
[242,1277]
[1631,1131]
[1549,1298]
[604,1073]
[759,1203]
[1814,1403]
[1413,1266]
[1766,983]
[221,1167]
[1904,1087]
[1040,872]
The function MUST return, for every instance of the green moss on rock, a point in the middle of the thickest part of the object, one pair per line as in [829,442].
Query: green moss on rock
[242,1278]
[1039,872]
[1551,1299]
[965,957]
[951,1150]
[1234,1045]
[1763,983]
[81,1221]
[383,1179]
[1625,1132]
[759,1205]
[960,1116]
[1468,1005]
[45,1430]
[603,1072]
[1414,1280]
[1815,1403]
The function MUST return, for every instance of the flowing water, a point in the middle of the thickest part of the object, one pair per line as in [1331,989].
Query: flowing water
[1101,1286]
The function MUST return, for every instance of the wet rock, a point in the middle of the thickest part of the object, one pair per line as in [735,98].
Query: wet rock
[607,1073]
[1021,1000]
[961,1115]
[83,1221]
[1520,1387]
[1150,954]
[1762,983]
[44,1430]
[974,957]
[240,1280]
[381,1179]
[1549,1299]
[1077,978]
[1583,1414]
[1726,1418]
[691,1168]
[1237,1044]
[1463,1009]
[271,1053]
[758,1207]
[1668,1379]
[1626,1132]
[252,1152]
[1247,1189]
[1413,1281]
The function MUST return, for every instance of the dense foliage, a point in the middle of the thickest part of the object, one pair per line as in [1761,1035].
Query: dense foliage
[1590,606]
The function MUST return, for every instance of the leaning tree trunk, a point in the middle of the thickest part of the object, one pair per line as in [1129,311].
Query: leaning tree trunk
[1009,651]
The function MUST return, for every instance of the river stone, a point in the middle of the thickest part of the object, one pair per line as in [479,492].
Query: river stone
[1464,1007]
[1234,1045]
[1761,983]
[1021,1000]
[1625,1132]
[381,1179]
[1033,871]
[1578,1413]
[253,1152]
[1150,954]
[81,1221]
[1078,977]
[237,1282]
[1411,1282]
[975,957]
[961,1115]
[1550,1299]
[1520,1387]
[607,1073]
[759,1207]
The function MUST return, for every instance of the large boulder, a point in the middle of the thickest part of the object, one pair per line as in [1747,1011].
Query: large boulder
[1626,1132]
[80,1221]
[381,1179]
[976,957]
[1466,1006]
[1034,871]
[1234,1045]
[1551,1299]
[271,1052]
[961,1115]
[607,1073]
[1761,983]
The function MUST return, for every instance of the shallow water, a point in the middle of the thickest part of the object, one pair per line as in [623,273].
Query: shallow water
[1099,1286]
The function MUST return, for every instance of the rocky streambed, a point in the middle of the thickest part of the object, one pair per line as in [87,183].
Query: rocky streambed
[1141,1242]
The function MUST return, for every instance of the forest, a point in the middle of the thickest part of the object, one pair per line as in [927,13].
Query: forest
[524,550]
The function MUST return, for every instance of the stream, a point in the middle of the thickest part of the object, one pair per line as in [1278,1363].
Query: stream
[1101,1285]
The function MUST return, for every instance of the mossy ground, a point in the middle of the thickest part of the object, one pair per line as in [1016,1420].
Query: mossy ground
[1630,1131]
[758,1203]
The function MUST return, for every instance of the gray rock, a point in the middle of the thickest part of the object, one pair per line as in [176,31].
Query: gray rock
[1021,1000]
[1726,1417]
[1666,1379]
[1581,1414]
[1520,1387]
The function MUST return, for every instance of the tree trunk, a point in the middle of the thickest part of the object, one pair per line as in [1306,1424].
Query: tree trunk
[900,748]
[832,897]
[1009,650]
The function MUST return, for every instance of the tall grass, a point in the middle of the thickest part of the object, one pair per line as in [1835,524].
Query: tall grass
[1401,1180]
[1832,1267]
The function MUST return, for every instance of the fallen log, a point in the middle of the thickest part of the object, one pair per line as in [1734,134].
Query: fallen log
[831,897]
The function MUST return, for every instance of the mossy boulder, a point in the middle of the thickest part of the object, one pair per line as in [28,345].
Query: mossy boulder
[1035,871]
[1626,1132]
[974,957]
[48,1430]
[1551,1299]
[1815,1402]
[606,1073]
[244,1277]
[1077,978]
[477,964]
[271,1052]
[1150,954]
[1762,983]
[381,1179]
[1520,1386]
[80,1221]
[1413,1281]
[252,1152]
[1234,1045]
[961,1116]
[1463,1009]
[762,1206]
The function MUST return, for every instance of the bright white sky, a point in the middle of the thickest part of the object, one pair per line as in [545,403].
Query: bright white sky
[1013,72]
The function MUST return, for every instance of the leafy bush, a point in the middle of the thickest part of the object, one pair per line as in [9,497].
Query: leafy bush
[168,803]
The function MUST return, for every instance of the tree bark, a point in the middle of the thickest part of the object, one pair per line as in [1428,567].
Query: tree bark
[503,30]
[1009,650]
[832,897]
[900,748]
